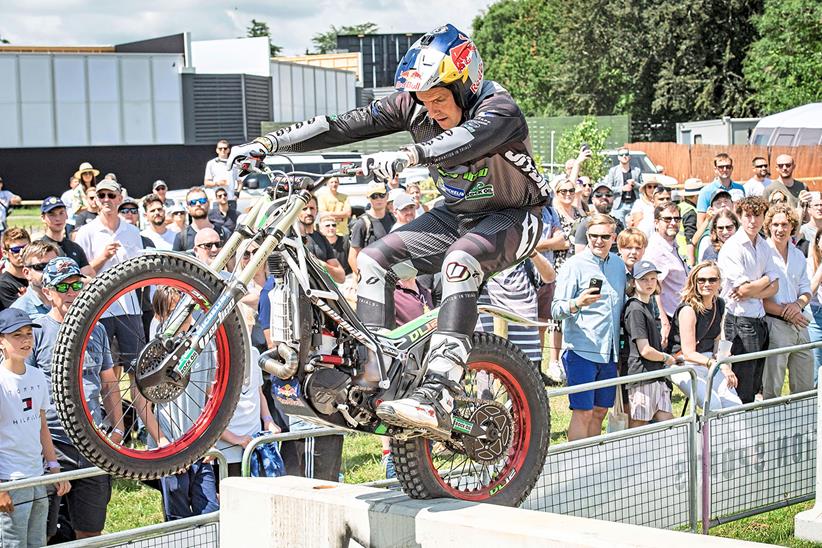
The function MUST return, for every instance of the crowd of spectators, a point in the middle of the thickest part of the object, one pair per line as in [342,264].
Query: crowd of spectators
[630,275]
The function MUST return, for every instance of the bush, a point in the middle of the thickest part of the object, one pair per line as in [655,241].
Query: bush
[587,131]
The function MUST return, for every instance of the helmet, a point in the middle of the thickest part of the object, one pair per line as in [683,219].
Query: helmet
[443,57]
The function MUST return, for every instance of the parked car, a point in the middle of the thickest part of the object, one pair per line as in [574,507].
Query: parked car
[638,159]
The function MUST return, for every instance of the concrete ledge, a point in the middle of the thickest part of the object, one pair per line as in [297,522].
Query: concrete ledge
[808,524]
[299,512]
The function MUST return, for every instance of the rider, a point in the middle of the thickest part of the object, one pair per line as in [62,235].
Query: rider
[474,138]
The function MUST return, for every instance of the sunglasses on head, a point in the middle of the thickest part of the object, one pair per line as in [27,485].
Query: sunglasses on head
[106,195]
[63,287]
[39,267]
[132,210]
[210,245]
[16,249]
[198,201]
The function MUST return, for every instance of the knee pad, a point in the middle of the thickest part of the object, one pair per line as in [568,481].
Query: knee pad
[372,282]
[461,273]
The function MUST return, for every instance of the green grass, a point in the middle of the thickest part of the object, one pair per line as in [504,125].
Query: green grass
[132,505]
[775,527]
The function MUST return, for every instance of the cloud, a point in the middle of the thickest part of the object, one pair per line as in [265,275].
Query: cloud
[293,23]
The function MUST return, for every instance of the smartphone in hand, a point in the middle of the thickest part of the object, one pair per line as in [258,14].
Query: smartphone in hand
[596,284]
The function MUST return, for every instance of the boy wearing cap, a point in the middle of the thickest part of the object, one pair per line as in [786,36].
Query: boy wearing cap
[24,436]
[89,497]
[54,214]
[372,225]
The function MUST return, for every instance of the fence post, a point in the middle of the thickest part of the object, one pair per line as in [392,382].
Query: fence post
[808,524]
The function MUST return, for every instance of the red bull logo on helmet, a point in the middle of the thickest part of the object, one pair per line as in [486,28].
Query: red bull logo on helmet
[461,54]
[410,80]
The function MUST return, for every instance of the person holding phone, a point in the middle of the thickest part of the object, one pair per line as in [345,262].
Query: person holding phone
[589,300]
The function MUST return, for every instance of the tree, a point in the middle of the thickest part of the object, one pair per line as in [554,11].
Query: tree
[260,28]
[784,66]
[517,42]
[4,41]
[587,131]
[326,42]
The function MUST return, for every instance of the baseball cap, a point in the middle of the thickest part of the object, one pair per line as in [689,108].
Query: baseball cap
[108,184]
[52,202]
[12,319]
[599,185]
[177,208]
[403,200]
[375,188]
[643,267]
[159,183]
[719,194]
[59,269]
[128,201]
[394,192]
[692,186]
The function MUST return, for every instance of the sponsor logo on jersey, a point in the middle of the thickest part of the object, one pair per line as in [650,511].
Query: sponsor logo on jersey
[480,191]
[526,164]
[453,191]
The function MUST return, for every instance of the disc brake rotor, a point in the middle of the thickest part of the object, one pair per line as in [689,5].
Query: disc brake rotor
[497,422]
[152,356]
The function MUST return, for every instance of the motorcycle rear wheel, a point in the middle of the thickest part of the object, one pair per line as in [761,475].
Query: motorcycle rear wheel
[497,370]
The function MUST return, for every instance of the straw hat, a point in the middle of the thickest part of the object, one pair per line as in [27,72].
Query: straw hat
[85,166]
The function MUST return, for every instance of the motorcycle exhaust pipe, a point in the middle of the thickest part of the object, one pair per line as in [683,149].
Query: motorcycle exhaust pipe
[282,361]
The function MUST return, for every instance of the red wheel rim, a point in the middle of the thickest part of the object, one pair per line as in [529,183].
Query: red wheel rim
[213,401]
[514,458]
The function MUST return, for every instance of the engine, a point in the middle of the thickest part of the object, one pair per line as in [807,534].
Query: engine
[327,388]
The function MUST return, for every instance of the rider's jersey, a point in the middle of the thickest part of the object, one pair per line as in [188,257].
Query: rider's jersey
[482,165]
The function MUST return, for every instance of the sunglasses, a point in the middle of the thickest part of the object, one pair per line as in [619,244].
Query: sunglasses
[378,195]
[106,195]
[63,287]
[132,210]
[726,228]
[210,245]
[198,201]
[586,185]
[330,225]
[604,195]
[222,195]
[247,254]
[39,267]
[179,213]
[711,280]
[16,249]
[624,154]
[566,191]
[784,165]
[222,148]
[667,219]
[651,187]
[725,166]
[592,236]
[763,166]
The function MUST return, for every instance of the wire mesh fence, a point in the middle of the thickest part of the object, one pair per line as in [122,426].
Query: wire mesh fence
[762,456]
[204,536]
[642,479]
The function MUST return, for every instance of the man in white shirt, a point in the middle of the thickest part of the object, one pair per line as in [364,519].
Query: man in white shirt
[156,229]
[219,174]
[755,186]
[748,276]
[787,325]
[809,229]
[108,241]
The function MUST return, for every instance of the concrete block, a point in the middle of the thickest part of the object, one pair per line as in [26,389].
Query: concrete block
[300,512]
[808,524]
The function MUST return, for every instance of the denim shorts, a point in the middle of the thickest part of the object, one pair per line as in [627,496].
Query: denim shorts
[580,371]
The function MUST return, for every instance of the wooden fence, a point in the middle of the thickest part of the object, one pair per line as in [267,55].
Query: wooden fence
[683,161]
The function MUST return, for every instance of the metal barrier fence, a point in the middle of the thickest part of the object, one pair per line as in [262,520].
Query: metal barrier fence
[644,476]
[284,436]
[759,456]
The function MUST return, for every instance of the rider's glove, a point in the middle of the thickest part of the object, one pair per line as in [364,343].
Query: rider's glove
[242,156]
[385,165]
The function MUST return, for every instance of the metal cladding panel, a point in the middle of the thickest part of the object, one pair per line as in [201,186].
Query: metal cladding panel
[257,103]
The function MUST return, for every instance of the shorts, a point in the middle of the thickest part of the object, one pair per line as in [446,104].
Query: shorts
[545,296]
[647,399]
[126,338]
[581,371]
[88,499]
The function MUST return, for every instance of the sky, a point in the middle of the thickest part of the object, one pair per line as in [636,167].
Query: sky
[293,22]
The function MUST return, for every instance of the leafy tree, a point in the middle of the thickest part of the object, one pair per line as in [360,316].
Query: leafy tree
[260,28]
[784,67]
[517,42]
[587,131]
[326,42]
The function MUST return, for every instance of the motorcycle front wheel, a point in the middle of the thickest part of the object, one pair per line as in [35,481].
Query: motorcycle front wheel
[113,324]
